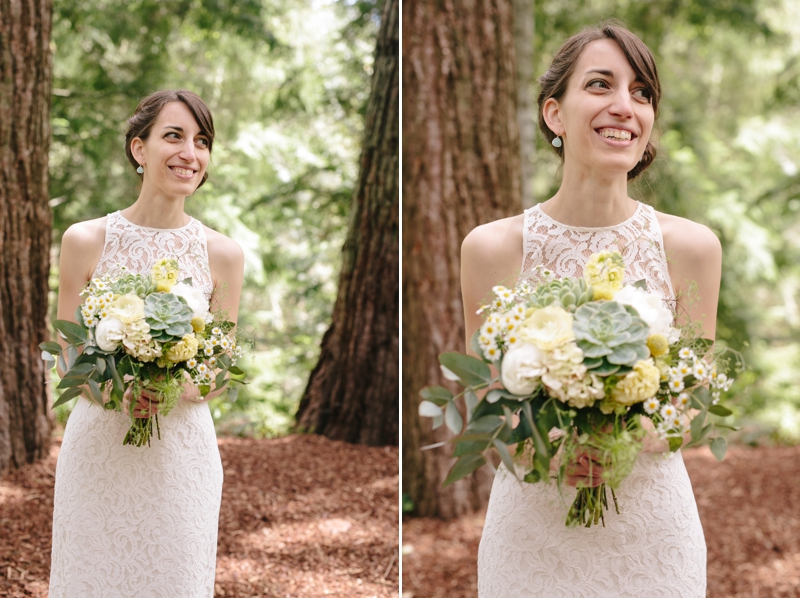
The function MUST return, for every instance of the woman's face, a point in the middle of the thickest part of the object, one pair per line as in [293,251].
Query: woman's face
[175,154]
[605,117]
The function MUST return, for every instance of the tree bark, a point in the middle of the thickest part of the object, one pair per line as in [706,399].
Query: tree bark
[353,390]
[461,168]
[25,225]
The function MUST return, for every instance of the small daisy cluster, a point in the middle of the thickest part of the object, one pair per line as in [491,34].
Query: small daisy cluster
[203,367]
[497,334]
[676,383]
[98,296]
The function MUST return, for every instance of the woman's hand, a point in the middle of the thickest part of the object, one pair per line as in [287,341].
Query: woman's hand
[146,404]
[585,470]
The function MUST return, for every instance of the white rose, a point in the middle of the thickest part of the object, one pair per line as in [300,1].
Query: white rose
[127,308]
[522,367]
[548,328]
[650,307]
[109,333]
[194,298]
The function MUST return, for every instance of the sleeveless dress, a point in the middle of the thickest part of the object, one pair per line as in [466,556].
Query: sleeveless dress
[139,522]
[655,547]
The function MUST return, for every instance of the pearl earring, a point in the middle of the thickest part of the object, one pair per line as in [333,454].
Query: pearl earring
[556,142]
[140,170]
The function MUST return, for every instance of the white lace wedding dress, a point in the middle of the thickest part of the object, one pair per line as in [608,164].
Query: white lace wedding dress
[655,546]
[139,522]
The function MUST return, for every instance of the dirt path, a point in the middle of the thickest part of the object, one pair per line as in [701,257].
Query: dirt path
[301,516]
[749,506]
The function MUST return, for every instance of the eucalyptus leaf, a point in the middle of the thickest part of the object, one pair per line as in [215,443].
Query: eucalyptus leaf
[505,457]
[236,371]
[640,284]
[463,467]
[233,393]
[470,370]
[453,418]
[95,392]
[51,347]
[702,395]
[470,400]
[68,394]
[675,443]
[436,394]
[450,375]
[437,422]
[101,365]
[429,409]
[75,334]
[719,447]
[48,359]
[224,359]
[720,410]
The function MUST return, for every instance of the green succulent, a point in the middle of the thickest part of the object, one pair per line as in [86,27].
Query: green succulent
[569,293]
[168,315]
[137,284]
[612,336]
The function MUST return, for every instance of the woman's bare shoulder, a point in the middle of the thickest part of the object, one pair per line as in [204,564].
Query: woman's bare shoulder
[686,239]
[88,233]
[222,249]
[495,240]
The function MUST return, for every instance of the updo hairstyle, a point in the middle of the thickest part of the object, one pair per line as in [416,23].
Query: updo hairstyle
[554,81]
[149,108]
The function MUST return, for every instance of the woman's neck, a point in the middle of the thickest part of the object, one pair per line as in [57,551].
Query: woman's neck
[591,201]
[157,212]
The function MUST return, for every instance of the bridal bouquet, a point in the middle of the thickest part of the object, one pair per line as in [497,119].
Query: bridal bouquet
[585,366]
[144,332]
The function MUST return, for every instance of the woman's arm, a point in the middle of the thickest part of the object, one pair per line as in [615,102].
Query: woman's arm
[226,260]
[490,255]
[694,257]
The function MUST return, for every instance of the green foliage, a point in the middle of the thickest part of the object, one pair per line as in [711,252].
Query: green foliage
[727,138]
[287,84]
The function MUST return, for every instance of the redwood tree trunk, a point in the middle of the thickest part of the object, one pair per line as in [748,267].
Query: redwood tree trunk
[461,168]
[25,82]
[352,392]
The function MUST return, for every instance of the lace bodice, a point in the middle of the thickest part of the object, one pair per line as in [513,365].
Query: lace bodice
[137,248]
[564,249]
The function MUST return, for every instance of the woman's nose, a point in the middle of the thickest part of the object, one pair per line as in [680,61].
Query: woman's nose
[621,105]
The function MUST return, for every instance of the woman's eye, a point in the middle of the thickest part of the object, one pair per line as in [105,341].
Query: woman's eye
[202,141]
[643,93]
[598,83]
[172,135]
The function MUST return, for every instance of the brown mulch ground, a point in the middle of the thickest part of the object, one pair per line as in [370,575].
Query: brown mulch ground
[749,506]
[301,516]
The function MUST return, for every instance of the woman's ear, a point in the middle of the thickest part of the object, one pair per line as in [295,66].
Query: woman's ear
[551,112]
[137,150]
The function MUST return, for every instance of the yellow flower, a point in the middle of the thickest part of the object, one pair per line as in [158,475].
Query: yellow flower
[605,272]
[638,385]
[658,345]
[185,349]
[165,274]
[198,324]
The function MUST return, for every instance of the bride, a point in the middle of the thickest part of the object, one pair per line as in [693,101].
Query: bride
[132,521]
[597,106]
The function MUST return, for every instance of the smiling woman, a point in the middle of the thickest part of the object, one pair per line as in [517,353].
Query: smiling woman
[597,106]
[132,521]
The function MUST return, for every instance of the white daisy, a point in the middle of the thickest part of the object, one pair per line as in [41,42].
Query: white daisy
[700,370]
[686,353]
[191,363]
[212,362]
[208,351]
[651,405]
[216,331]
[492,352]
[676,384]
[683,399]
[684,369]
[668,411]
[225,343]
[202,368]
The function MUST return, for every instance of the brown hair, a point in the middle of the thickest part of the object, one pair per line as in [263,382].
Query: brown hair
[149,108]
[554,81]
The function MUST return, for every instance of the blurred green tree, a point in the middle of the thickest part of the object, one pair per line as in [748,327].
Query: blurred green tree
[352,393]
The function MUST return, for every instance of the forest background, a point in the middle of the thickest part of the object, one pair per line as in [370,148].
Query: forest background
[288,84]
